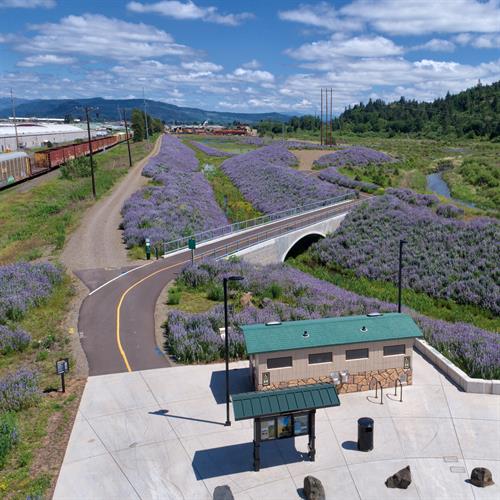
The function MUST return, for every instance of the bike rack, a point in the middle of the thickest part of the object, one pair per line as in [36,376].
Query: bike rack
[396,389]
[377,383]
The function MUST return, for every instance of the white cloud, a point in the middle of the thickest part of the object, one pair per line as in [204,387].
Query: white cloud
[27,4]
[202,66]
[364,46]
[189,11]
[253,64]
[322,15]
[100,36]
[436,45]
[45,59]
[417,17]
[488,41]
[252,76]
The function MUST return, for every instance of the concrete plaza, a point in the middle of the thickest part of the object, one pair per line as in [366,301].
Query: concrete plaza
[160,434]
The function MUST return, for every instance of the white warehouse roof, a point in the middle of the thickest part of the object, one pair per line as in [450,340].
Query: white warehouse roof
[8,130]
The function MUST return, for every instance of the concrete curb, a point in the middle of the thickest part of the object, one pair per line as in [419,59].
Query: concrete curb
[468,384]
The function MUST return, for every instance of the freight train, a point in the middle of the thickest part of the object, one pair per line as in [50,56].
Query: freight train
[18,166]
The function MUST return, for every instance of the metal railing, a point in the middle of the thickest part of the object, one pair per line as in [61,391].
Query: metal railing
[377,384]
[223,249]
[173,245]
[396,389]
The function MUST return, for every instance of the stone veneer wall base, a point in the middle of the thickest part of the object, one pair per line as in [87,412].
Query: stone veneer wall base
[468,384]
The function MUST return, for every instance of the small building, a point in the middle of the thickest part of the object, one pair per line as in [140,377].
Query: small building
[347,351]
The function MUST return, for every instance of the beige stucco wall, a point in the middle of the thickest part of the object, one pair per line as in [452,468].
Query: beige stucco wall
[302,369]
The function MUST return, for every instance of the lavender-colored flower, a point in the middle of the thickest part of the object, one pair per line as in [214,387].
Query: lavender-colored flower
[449,211]
[13,340]
[210,151]
[331,175]
[181,204]
[264,178]
[450,259]
[412,198]
[353,156]
[24,285]
[19,390]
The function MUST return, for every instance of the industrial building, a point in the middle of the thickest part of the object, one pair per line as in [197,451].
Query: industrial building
[35,135]
[350,352]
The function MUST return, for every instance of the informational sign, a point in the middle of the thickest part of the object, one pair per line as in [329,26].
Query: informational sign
[266,379]
[284,426]
[62,366]
[192,244]
[407,363]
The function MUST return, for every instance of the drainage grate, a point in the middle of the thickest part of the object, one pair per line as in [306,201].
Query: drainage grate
[450,459]
[457,469]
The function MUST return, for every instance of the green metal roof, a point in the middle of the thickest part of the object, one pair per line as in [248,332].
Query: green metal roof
[328,332]
[262,403]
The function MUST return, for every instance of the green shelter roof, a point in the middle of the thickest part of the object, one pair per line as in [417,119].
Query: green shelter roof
[262,403]
[328,332]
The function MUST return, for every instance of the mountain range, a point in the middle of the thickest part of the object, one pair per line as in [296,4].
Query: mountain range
[108,110]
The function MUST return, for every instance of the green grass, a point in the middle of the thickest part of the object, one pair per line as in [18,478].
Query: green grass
[447,310]
[36,223]
[192,301]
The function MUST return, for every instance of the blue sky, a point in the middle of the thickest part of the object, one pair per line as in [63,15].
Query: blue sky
[247,56]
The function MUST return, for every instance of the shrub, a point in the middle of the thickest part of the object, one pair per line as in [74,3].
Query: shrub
[449,211]
[174,296]
[19,390]
[215,292]
[13,340]
[77,168]
[9,435]
[353,156]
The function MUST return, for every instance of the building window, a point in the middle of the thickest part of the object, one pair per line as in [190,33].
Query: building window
[393,350]
[356,354]
[320,357]
[285,362]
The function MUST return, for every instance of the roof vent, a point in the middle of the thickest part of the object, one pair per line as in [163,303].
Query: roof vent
[273,323]
[374,314]
[364,329]
[305,334]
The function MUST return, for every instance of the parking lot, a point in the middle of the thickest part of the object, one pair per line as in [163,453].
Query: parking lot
[160,434]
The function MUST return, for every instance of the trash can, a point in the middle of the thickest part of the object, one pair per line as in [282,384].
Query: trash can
[365,434]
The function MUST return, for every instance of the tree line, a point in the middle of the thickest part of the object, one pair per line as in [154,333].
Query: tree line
[475,112]
[138,124]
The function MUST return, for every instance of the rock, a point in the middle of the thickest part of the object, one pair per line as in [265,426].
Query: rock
[223,493]
[313,489]
[481,477]
[402,479]
[246,299]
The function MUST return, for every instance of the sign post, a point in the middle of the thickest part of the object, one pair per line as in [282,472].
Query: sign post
[62,367]
[148,248]
[192,247]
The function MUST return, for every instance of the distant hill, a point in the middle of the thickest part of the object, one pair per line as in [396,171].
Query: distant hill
[108,110]
[5,102]
[473,112]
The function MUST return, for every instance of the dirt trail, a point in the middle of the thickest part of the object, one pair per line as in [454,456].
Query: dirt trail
[306,157]
[97,242]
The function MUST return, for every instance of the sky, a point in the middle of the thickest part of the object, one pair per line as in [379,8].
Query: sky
[248,56]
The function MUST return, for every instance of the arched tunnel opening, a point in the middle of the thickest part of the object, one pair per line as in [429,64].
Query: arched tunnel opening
[300,246]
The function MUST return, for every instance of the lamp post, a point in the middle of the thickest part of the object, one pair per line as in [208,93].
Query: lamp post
[400,270]
[226,341]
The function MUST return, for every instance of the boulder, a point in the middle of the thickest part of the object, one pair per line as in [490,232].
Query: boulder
[223,493]
[246,299]
[402,479]
[313,489]
[481,476]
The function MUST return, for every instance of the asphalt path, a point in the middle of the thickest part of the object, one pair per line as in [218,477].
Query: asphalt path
[116,321]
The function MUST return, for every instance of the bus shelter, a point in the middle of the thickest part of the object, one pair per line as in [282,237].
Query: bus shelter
[284,413]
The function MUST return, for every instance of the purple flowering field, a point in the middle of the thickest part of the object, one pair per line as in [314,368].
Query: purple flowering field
[210,151]
[24,285]
[284,293]
[12,340]
[332,175]
[352,156]
[445,258]
[181,203]
[264,178]
[19,390]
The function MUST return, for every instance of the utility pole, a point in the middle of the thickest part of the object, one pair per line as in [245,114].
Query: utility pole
[145,115]
[90,151]
[128,139]
[321,117]
[14,116]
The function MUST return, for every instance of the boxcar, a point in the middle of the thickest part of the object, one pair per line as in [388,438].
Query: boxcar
[14,167]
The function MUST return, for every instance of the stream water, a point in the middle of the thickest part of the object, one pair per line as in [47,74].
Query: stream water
[437,185]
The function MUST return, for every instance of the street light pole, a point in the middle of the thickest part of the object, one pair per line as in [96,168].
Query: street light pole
[90,152]
[226,341]
[400,272]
